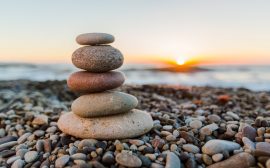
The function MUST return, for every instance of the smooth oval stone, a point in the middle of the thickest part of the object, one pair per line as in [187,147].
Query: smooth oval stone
[128,160]
[120,126]
[97,58]
[104,103]
[243,160]
[94,38]
[218,146]
[87,82]
[172,160]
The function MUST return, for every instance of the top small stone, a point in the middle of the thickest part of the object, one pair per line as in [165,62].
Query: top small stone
[94,38]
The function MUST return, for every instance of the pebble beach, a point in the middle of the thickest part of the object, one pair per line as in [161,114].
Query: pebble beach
[193,127]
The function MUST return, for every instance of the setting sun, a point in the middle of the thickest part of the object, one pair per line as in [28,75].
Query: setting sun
[180,61]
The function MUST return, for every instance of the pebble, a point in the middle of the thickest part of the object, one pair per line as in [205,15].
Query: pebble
[128,160]
[207,159]
[103,104]
[208,129]
[7,139]
[191,148]
[172,160]
[136,142]
[94,38]
[248,144]
[24,137]
[145,161]
[196,124]
[62,161]
[218,146]
[243,160]
[126,125]
[249,132]
[264,146]
[18,164]
[91,57]
[233,115]
[12,159]
[217,157]
[108,158]
[39,133]
[7,153]
[40,120]
[31,156]
[87,143]
[267,163]
[21,152]
[8,144]
[87,82]
[151,156]
[78,156]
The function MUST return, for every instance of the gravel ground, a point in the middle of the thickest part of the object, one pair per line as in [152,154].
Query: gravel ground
[193,127]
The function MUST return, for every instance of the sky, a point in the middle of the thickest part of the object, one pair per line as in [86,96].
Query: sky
[146,31]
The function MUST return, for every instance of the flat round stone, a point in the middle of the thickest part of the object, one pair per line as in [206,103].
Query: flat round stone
[94,38]
[120,126]
[87,82]
[97,58]
[103,103]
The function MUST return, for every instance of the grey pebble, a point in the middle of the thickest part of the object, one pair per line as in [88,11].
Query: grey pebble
[24,137]
[78,156]
[31,156]
[18,164]
[172,160]
[62,161]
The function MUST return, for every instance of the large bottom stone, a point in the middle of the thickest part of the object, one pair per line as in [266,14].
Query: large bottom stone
[120,126]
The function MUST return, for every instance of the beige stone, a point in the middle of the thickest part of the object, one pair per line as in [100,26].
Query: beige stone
[120,126]
[103,103]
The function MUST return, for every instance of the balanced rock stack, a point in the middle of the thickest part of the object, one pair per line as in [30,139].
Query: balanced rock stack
[101,113]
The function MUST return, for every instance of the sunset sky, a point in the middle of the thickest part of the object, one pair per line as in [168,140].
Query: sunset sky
[146,31]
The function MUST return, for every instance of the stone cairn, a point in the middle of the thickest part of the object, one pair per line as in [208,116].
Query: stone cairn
[100,112]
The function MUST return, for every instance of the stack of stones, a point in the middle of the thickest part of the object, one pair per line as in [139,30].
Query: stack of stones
[100,112]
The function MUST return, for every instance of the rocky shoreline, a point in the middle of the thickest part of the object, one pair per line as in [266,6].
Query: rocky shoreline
[193,126]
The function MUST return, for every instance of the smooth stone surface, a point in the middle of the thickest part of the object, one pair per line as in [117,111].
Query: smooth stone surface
[94,38]
[62,161]
[103,104]
[128,160]
[172,160]
[195,124]
[18,164]
[31,156]
[217,157]
[248,144]
[7,139]
[97,58]
[218,146]
[249,132]
[87,82]
[264,146]
[191,148]
[120,126]
[243,160]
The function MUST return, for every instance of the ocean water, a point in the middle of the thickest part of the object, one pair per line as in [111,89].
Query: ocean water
[251,77]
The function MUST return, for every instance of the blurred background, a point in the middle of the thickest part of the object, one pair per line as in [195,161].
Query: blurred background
[213,43]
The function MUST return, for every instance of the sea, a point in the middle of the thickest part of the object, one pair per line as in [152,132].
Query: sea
[256,78]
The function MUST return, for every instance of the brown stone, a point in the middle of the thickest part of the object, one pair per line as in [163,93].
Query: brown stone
[87,82]
[243,160]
